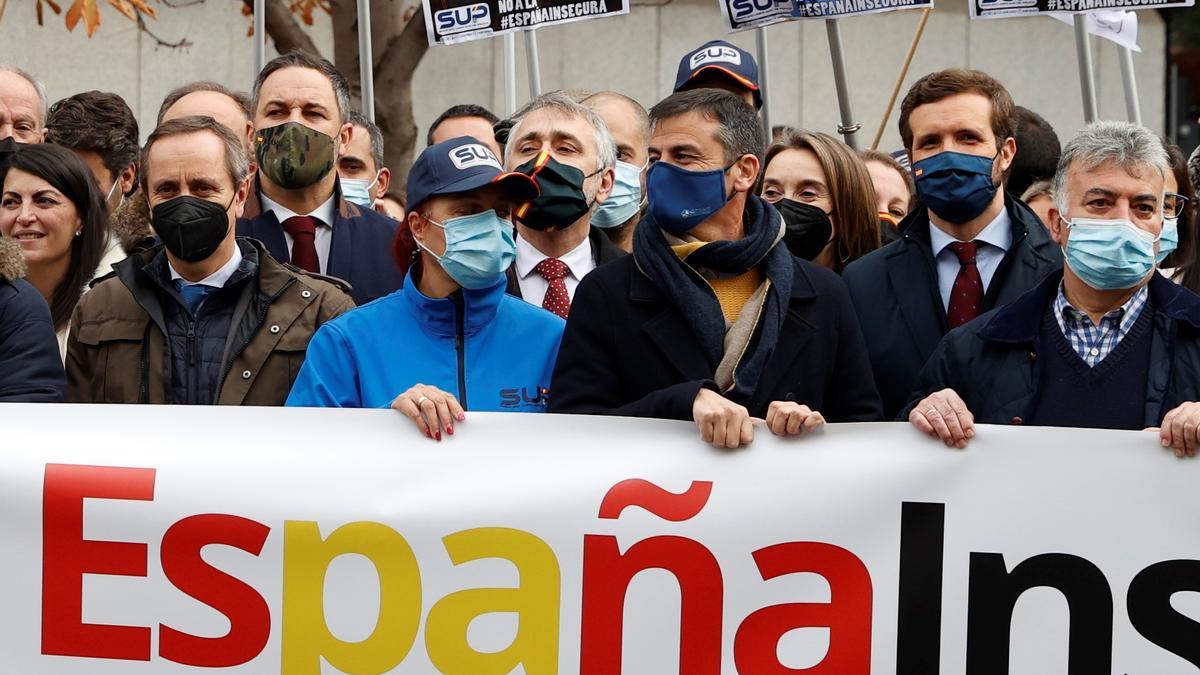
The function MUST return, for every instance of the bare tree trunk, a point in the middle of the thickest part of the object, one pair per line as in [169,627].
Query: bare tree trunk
[396,62]
[284,30]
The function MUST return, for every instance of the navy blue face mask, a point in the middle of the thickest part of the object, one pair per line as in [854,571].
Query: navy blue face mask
[678,200]
[956,186]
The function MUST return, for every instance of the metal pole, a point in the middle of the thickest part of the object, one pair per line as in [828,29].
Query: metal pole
[366,59]
[847,128]
[1133,107]
[510,73]
[1087,82]
[763,90]
[912,51]
[531,60]
[260,35]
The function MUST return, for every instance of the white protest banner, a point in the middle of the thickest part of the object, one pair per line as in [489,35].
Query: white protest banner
[998,9]
[744,14]
[451,21]
[145,539]
[1118,26]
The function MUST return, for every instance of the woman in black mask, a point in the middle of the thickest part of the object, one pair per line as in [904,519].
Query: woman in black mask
[51,206]
[823,190]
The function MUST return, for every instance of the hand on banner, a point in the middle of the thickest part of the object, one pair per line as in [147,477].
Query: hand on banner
[944,416]
[431,409]
[787,418]
[722,422]
[1180,430]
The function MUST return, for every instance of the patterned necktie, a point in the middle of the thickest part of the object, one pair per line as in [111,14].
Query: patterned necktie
[557,300]
[303,230]
[193,294]
[967,295]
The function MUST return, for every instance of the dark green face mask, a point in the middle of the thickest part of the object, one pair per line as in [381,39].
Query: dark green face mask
[292,155]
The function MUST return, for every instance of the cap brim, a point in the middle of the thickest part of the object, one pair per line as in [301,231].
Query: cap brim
[480,180]
[518,186]
[740,80]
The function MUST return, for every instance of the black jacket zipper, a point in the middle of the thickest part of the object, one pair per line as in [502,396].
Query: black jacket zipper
[460,346]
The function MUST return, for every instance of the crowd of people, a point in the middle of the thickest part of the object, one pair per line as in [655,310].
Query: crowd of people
[588,255]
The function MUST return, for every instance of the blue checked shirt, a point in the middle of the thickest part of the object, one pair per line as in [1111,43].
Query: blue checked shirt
[1091,342]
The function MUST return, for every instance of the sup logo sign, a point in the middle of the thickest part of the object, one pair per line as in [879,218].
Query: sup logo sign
[463,19]
[473,155]
[746,10]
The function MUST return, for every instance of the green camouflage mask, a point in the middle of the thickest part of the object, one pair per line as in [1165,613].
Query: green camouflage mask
[292,155]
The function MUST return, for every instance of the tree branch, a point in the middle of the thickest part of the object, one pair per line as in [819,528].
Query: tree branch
[183,43]
[285,31]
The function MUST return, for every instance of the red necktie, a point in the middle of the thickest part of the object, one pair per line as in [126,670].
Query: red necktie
[557,299]
[303,230]
[967,295]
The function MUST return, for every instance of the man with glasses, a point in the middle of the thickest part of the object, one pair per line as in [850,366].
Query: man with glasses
[1104,343]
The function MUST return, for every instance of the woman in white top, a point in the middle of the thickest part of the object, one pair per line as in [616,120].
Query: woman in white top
[51,206]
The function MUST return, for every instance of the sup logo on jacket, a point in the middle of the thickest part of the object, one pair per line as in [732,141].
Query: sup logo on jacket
[525,398]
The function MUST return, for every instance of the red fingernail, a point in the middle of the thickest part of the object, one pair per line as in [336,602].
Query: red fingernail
[450,430]
[439,435]
[462,416]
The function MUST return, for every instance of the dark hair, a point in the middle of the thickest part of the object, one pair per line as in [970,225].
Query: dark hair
[341,88]
[99,122]
[738,128]
[461,110]
[1038,150]
[237,163]
[887,160]
[850,190]
[358,119]
[946,83]
[70,175]
[1185,253]
[242,99]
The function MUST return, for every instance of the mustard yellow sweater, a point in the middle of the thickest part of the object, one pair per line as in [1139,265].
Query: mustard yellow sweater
[732,292]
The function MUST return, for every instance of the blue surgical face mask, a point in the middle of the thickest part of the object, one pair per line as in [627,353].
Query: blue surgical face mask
[1168,241]
[956,186]
[1109,255]
[358,191]
[479,249]
[625,200]
[679,200]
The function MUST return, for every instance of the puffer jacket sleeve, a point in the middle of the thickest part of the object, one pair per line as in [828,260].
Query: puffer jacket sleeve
[31,369]
[326,379]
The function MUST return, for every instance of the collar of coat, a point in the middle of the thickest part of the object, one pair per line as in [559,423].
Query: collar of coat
[345,209]
[1020,321]
[12,260]
[1026,226]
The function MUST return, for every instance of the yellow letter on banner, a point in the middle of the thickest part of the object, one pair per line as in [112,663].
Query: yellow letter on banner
[306,636]
[535,601]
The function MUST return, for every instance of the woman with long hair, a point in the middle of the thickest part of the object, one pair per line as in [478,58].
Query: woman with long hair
[824,192]
[51,206]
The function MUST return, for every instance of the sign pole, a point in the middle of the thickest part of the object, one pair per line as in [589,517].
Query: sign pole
[847,128]
[366,60]
[912,51]
[764,90]
[1133,107]
[510,73]
[1087,82]
[260,35]
[531,60]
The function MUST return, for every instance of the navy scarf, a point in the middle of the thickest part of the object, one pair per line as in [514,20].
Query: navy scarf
[696,300]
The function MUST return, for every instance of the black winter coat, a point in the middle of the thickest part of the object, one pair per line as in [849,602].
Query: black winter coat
[895,292]
[991,361]
[31,370]
[628,351]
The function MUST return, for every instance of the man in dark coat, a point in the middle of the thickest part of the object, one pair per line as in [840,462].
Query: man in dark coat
[711,319]
[1106,343]
[296,209]
[31,370]
[972,247]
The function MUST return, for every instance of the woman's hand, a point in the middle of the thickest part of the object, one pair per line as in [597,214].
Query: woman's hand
[431,409]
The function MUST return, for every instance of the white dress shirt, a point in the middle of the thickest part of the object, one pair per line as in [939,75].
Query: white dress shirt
[534,286]
[324,235]
[994,241]
[216,279]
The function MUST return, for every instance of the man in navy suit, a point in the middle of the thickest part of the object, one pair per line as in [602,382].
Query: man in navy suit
[297,211]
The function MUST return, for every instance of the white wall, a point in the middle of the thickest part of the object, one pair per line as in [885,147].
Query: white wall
[636,54]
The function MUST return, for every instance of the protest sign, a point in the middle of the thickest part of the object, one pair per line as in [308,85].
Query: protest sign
[997,9]
[744,14]
[451,21]
[144,539]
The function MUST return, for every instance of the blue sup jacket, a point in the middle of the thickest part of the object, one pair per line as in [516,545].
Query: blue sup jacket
[494,352]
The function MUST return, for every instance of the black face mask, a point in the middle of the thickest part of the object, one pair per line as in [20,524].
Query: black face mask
[562,200]
[191,228]
[807,229]
[8,147]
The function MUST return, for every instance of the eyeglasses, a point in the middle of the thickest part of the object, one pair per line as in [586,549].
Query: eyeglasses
[1174,204]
